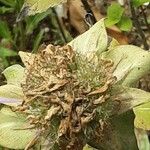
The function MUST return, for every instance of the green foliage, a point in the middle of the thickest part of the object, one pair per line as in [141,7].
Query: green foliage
[125,24]
[14,130]
[14,36]
[31,7]
[124,127]
[142,119]
[132,63]
[95,40]
[5,53]
[130,97]
[14,74]
[11,94]
[116,16]
[138,3]
[25,34]
[142,139]
[5,31]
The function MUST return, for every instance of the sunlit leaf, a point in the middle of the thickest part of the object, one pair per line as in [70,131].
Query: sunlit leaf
[114,14]
[131,63]
[11,95]
[142,114]
[138,3]
[31,7]
[14,74]
[93,40]
[14,132]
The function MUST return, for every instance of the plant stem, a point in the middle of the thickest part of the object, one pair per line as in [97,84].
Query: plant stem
[145,18]
[59,25]
[22,35]
[138,26]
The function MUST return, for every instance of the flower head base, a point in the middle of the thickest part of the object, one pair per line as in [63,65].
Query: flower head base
[63,87]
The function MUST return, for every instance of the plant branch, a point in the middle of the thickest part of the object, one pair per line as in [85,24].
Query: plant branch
[145,18]
[59,25]
[138,26]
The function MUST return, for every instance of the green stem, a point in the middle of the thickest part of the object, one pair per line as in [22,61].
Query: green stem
[22,36]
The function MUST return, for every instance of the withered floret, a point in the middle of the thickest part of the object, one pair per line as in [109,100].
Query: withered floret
[64,92]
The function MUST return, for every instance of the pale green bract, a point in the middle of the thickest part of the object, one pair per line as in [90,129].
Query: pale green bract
[14,132]
[142,119]
[14,74]
[132,63]
[93,41]
[11,94]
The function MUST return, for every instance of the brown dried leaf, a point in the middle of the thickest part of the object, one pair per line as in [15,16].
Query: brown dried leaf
[51,112]
[100,90]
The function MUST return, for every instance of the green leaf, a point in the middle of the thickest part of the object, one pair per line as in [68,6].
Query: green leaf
[114,14]
[14,132]
[138,3]
[116,134]
[31,7]
[5,52]
[33,21]
[4,30]
[142,114]
[124,127]
[93,40]
[14,74]
[11,95]
[127,98]
[4,10]
[10,3]
[142,139]
[131,63]
[125,24]
[37,40]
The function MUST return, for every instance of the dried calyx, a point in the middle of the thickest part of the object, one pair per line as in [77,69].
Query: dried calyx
[64,92]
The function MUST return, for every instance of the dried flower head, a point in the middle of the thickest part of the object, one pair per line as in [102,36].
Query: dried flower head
[64,92]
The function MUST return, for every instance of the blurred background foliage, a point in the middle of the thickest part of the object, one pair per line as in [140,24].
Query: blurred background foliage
[30,32]
[27,34]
